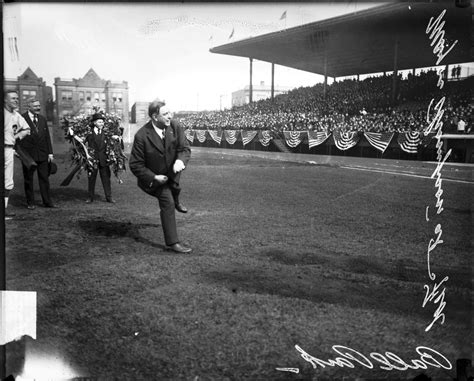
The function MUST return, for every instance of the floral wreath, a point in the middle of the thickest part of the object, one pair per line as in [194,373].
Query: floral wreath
[78,128]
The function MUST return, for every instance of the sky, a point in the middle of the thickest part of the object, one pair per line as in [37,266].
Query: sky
[160,49]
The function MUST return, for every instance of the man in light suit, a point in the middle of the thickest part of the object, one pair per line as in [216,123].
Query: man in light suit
[38,146]
[161,151]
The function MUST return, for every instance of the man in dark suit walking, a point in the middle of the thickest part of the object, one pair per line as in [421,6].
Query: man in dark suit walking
[38,146]
[97,141]
[161,151]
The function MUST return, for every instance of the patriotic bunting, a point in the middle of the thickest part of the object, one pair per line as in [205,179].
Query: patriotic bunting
[230,136]
[216,135]
[379,140]
[293,138]
[201,135]
[189,135]
[345,139]
[409,141]
[247,136]
[264,137]
[315,138]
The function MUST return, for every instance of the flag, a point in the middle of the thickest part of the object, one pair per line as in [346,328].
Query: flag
[292,138]
[379,140]
[12,44]
[345,139]
[264,137]
[230,136]
[232,34]
[409,141]
[283,16]
[216,136]
[315,138]
[10,30]
[247,136]
[189,135]
[201,135]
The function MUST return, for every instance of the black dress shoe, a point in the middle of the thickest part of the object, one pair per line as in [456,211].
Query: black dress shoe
[111,200]
[31,206]
[49,206]
[89,200]
[181,208]
[178,248]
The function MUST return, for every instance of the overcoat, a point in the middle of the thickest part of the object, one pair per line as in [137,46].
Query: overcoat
[151,156]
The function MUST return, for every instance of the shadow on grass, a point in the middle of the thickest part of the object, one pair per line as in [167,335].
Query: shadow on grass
[398,270]
[343,290]
[117,229]
[59,194]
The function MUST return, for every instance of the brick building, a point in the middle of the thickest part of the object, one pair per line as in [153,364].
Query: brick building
[75,96]
[30,85]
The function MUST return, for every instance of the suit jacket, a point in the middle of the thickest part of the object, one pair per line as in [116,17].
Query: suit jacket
[150,157]
[98,143]
[38,143]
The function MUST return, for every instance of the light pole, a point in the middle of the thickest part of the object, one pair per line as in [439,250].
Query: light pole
[222,95]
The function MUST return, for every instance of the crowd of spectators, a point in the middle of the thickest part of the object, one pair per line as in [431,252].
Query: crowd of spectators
[351,105]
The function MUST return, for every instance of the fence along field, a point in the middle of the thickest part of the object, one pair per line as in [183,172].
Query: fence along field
[285,254]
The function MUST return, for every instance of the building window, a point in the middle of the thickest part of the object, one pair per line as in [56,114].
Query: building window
[81,96]
[66,95]
[117,97]
[96,97]
[88,96]
[142,114]
[102,97]
[28,93]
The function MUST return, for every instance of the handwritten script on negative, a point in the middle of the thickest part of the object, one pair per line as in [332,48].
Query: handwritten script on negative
[435,293]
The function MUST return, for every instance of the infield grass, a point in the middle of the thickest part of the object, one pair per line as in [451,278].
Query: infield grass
[284,254]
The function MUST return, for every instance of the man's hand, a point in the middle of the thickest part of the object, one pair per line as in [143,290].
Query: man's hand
[116,137]
[178,166]
[71,131]
[50,158]
[161,179]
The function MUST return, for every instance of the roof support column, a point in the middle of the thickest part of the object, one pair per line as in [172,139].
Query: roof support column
[325,74]
[273,81]
[250,85]
[395,72]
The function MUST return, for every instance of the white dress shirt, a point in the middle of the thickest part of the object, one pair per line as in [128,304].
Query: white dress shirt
[159,131]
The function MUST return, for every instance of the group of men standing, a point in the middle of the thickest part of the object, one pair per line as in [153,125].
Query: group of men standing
[27,132]
[159,154]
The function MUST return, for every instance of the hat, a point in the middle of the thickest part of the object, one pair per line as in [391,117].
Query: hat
[97,116]
[52,168]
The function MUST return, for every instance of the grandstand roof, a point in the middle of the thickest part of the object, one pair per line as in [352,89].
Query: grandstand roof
[363,42]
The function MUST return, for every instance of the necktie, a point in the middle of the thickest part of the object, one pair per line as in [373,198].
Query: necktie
[35,122]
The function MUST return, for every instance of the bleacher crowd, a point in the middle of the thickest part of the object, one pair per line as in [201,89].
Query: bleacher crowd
[351,105]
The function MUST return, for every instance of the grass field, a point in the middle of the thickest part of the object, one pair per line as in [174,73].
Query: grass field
[285,253]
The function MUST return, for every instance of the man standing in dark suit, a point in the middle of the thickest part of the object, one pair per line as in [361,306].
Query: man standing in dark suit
[38,146]
[97,141]
[161,151]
